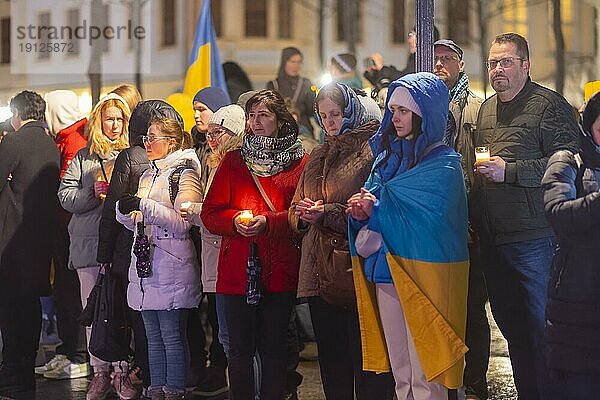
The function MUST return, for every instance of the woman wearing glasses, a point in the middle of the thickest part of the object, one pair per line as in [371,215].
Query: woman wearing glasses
[171,286]
[261,178]
[225,129]
[82,192]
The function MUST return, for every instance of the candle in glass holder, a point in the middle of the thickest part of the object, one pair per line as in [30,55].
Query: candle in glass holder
[246,216]
[482,153]
[102,196]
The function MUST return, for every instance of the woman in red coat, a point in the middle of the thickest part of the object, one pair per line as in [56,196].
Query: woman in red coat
[271,157]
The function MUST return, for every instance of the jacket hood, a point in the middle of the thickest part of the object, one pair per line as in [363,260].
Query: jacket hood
[142,115]
[590,150]
[62,110]
[431,94]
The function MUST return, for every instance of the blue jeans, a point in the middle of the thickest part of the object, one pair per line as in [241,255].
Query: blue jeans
[167,347]
[517,277]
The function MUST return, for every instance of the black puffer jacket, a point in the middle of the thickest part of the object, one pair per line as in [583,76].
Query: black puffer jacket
[115,241]
[525,132]
[572,200]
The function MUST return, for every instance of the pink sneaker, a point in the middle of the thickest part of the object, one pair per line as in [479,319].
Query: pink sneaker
[99,387]
[123,386]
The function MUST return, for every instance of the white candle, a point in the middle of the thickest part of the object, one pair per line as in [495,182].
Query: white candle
[482,153]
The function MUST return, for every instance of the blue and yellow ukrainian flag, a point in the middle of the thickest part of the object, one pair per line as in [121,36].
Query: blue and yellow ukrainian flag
[423,220]
[205,67]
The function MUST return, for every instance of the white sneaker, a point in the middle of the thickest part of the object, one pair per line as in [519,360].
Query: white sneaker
[50,365]
[69,370]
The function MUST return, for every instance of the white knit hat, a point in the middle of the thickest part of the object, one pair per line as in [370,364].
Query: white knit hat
[402,97]
[231,117]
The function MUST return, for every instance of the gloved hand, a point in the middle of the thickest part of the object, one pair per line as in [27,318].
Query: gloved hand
[129,203]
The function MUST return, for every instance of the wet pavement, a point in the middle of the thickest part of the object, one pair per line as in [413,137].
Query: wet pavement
[499,377]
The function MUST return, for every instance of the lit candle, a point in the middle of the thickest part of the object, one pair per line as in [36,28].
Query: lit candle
[185,205]
[482,154]
[246,216]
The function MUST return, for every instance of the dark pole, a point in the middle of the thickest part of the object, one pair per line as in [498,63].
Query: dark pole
[483,21]
[424,31]
[137,45]
[321,33]
[559,80]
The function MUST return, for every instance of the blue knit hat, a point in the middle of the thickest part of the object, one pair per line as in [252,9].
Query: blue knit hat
[212,97]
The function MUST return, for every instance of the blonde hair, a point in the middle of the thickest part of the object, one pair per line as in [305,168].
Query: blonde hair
[170,128]
[129,92]
[100,144]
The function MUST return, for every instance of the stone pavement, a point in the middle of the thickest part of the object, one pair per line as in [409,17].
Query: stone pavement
[499,376]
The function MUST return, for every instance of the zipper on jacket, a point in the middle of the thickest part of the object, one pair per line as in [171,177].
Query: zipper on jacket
[168,252]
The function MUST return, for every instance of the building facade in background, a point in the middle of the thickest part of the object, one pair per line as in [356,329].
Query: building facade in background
[253,32]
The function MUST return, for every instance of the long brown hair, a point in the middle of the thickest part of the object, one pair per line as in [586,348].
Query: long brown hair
[274,103]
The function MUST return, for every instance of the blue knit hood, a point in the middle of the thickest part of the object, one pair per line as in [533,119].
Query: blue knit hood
[431,94]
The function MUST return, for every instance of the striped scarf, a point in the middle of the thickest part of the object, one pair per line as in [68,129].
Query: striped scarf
[457,93]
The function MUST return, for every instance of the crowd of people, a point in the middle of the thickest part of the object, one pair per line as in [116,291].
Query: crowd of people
[394,220]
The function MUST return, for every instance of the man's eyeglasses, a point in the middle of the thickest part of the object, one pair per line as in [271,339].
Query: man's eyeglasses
[444,59]
[504,62]
[151,139]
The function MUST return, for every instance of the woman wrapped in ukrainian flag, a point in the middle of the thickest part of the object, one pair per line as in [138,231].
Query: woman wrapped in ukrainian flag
[408,239]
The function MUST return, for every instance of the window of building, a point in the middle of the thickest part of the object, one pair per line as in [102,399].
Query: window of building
[514,13]
[73,43]
[348,9]
[216,11]
[168,23]
[43,39]
[5,40]
[285,18]
[458,21]
[398,27]
[256,18]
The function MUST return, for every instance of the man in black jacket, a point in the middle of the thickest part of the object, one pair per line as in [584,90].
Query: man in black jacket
[29,171]
[523,125]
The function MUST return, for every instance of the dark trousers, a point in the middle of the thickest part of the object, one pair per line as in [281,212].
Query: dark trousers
[517,277]
[478,329]
[67,301]
[340,355]
[197,338]
[20,327]
[261,328]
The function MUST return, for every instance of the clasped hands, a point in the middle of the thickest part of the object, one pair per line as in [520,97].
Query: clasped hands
[360,205]
[310,211]
[254,227]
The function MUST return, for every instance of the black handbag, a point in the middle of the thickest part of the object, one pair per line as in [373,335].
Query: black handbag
[86,318]
[111,333]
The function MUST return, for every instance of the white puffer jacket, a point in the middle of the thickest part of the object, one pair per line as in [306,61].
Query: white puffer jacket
[175,279]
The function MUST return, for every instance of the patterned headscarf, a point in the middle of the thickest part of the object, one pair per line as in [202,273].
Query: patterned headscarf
[353,112]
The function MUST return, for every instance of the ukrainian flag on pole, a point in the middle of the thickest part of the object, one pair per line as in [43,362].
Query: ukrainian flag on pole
[205,67]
